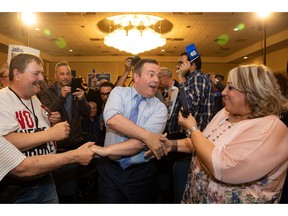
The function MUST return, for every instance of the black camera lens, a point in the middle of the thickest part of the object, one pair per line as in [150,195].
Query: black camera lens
[134,60]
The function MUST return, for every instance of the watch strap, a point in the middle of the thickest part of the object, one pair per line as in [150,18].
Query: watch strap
[190,130]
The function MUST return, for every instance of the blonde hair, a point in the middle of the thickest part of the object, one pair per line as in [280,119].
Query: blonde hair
[259,85]
[63,63]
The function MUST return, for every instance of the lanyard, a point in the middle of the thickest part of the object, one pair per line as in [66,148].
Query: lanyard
[35,117]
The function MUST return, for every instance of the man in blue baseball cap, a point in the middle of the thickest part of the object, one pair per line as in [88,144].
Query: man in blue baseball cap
[195,87]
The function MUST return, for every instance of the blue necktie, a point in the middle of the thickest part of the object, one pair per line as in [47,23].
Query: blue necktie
[68,106]
[134,111]
[126,162]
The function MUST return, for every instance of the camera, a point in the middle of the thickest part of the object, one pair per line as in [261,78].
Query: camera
[134,60]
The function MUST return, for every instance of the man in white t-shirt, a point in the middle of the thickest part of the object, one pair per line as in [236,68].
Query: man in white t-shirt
[27,125]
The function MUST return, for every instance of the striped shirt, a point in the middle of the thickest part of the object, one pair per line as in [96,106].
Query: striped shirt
[199,95]
[10,157]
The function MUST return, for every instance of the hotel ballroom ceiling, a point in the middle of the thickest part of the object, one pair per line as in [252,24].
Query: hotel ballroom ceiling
[212,32]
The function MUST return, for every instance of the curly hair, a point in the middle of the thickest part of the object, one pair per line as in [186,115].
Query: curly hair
[258,82]
[283,84]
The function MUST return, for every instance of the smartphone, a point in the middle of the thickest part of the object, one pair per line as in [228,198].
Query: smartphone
[76,83]
[184,110]
[184,113]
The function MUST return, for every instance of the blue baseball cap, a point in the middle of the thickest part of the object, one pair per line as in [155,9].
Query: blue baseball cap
[192,52]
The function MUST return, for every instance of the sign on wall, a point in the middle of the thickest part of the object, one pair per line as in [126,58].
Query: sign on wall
[15,49]
[94,79]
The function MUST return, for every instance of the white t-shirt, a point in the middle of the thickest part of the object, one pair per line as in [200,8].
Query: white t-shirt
[16,117]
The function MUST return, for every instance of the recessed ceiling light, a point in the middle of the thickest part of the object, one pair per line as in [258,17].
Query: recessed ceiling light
[70,50]
[245,57]
[28,18]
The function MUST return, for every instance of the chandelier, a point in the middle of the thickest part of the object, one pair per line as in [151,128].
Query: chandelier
[133,33]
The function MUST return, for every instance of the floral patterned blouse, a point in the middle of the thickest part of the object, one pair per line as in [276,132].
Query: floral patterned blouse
[250,161]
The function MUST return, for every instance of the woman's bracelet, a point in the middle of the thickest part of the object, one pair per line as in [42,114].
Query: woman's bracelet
[174,147]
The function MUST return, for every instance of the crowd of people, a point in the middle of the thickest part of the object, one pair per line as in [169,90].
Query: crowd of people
[125,137]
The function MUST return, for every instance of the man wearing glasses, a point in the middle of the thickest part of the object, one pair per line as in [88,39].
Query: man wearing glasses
[196,89]
[104,90]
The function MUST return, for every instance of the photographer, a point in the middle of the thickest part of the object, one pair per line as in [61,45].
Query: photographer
[129,63]
[71,106]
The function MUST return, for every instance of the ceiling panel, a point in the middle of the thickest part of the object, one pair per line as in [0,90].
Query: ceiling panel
[80,32]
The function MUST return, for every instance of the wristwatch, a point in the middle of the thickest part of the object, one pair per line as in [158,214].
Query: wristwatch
[190,130]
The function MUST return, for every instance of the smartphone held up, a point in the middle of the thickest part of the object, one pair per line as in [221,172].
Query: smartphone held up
[76,83]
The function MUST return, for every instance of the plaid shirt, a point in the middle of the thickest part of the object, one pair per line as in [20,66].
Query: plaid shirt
[199,95]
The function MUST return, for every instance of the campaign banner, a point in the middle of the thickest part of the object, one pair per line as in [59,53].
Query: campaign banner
[94,79]
[15,49]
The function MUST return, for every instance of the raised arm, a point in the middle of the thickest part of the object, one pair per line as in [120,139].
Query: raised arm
[121,81]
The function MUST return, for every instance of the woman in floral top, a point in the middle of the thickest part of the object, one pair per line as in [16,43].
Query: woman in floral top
[242,155]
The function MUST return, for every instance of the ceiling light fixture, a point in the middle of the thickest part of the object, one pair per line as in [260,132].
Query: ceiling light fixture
[134,33]
[28,18]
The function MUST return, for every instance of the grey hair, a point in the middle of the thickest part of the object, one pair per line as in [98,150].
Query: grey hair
[166,71]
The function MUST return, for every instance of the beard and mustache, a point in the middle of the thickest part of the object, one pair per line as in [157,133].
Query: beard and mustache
[65,83]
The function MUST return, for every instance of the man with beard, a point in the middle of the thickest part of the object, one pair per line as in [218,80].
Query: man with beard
[196,89]
[135,119]
[71,105]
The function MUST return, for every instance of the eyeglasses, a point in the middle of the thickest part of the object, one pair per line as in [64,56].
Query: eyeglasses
[105,94]
[231,88]
[179,62]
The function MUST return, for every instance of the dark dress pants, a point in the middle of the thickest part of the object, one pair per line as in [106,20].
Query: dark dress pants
[136,184]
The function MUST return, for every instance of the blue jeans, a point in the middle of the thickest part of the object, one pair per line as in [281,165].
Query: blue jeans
[42,192]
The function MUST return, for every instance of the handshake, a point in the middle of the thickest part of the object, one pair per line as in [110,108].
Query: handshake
[158,147]
[167,146]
